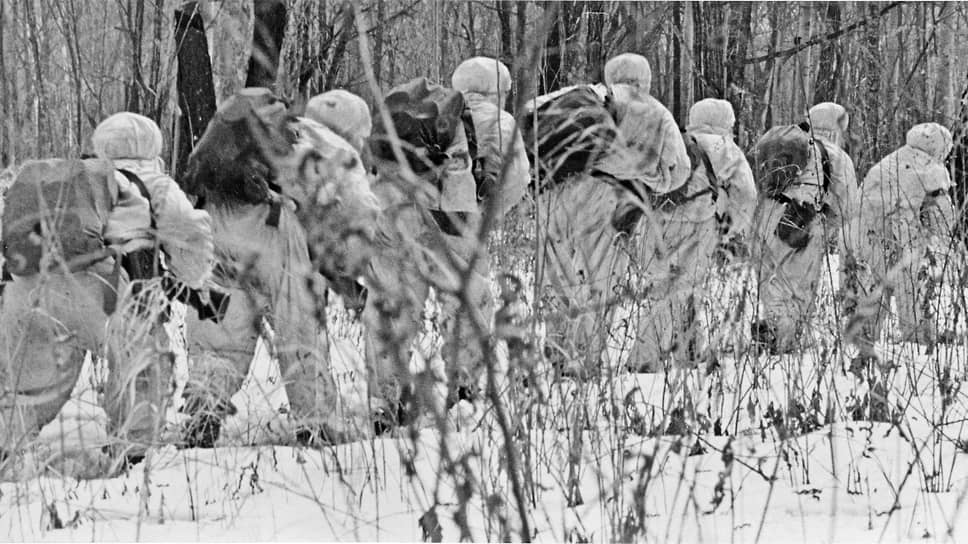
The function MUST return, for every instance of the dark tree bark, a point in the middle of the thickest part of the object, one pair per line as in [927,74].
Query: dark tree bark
[270,28]
[709,49]
[507,41]
[346,32]
[134,15]
[69,16]
[873,108]
[6,147]
[381,15]
[156,83]
[677,31]
[560,41]
[504,20]
[740,23]
[521,25]
[959,165]
[825,88]
[196,91]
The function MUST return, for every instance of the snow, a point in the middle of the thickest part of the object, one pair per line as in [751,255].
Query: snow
[591,473]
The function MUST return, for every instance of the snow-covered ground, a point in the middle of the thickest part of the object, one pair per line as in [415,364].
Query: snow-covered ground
[589,471]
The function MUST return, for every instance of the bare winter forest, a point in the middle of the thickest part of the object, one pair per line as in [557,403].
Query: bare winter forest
[649,362]
[66,64]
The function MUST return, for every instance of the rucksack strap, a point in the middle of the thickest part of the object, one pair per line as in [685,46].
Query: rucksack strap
[825,166]
[711,176]
[143,189]
[146,263]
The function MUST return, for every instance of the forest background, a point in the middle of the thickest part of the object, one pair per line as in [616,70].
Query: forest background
[67,64]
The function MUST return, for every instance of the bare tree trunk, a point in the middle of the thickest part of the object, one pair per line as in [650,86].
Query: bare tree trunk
[6,147]
[873,110]
[346,32]
[959,164]
[741,19]
[196,92]
[381,15]
[67,15]
[133,15]
[708,51]
[231,33]
[269,28]
[521,22]
[829,72]
[155,82]
[42,124]
[768,115]
[684,62]
[595,50]
[562,34]
[504,19]
[443,43]
[677,32]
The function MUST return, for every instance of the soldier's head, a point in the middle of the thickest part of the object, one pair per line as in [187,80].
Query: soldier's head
[932,138]
[485,76]
[631,70]
[829,121]
[344,113]
[127,135]
[712,116]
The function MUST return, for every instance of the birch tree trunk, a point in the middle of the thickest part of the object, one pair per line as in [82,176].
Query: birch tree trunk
[230,28]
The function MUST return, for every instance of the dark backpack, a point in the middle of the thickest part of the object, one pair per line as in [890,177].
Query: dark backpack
[778,158]
[627,216]
[571,131]
[54,208]
[426,117]
[781,154]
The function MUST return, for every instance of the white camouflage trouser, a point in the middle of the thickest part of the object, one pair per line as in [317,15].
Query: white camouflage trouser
[47,323]
[582,269]
[670,270]
[401,280]
[788,277]
[266,272]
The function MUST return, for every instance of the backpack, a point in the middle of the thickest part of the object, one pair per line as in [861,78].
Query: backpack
[53,212]
[572,130]
[627,216]
[778,158]
[426,117]
[781,154]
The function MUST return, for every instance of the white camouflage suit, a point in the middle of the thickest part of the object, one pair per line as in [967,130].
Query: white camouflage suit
[485,83]
[905,213]
[268,273]
[691,234]
[419,254]
[66,314]
[651,155]
[788,276]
